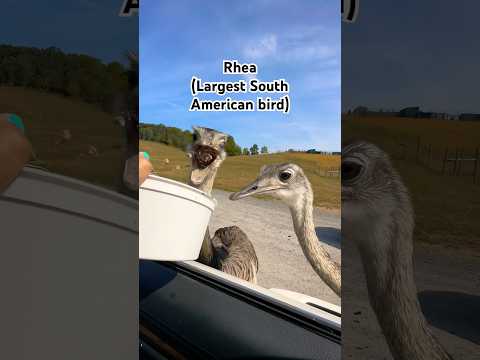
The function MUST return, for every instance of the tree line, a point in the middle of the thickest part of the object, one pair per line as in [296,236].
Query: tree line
[173,136]
[254,150]
[75,75]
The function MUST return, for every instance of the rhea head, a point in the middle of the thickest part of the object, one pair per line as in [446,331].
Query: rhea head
[372,191]
[207,153]
[286,182]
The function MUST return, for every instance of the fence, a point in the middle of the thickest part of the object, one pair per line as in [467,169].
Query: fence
[460,162]
[329,172]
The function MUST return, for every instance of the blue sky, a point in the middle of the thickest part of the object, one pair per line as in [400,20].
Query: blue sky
[412,53]
[298,41]
[90,27]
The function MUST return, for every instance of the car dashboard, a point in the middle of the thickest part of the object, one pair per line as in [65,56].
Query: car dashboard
[186,313]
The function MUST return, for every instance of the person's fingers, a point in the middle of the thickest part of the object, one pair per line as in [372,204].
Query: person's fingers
[145,155]
[145,167]
[15,151]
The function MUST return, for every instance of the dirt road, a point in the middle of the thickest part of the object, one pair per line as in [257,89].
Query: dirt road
[448,285]
[268,224]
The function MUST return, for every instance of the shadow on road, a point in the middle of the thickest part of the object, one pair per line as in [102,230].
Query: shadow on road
[454,312]
[328,235]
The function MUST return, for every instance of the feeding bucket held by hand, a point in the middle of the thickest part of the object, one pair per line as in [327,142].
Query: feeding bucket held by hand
[173,219]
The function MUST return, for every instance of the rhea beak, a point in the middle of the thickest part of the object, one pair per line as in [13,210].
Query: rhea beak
[253,189]
[198,176]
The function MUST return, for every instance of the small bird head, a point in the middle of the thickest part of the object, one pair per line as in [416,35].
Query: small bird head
[286,182]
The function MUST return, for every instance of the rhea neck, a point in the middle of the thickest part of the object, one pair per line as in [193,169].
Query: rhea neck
[207,184]
[386,248]
[206,251]
[301,209]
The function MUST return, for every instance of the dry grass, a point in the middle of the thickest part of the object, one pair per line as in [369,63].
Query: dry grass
[447,207]
[238,171]
[436,132]
[46,115]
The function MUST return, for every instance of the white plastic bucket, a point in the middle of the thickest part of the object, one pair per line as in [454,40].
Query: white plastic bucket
[173,218]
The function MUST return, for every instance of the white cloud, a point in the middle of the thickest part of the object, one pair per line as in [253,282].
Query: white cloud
[307,32]
[302,46]
[250,77]
[309,52]
[266,46]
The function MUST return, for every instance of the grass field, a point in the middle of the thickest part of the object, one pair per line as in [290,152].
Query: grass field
[46,115]
[439,133]
[447,207]
[238,171]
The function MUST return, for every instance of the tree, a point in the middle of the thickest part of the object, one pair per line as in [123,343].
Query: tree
[52,70]
[264,150]
[232,148]
[254,149]
[245,151]
[146,133]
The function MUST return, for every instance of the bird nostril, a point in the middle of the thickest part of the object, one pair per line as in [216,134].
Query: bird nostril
[255,188]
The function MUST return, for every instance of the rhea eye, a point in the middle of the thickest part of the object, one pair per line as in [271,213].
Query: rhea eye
[195,137]
[285,175]
[350,170]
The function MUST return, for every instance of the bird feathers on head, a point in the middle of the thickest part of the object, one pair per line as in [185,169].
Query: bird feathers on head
[373,195]
[368,174]
[209,137]
[207,153]
[285,181]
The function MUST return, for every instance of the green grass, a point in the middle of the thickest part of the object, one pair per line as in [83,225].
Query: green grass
[238,171]
[46,115]
[447,207]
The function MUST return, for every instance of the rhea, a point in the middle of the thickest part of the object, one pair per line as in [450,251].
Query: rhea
[229,250]
[377,215]
[289,183]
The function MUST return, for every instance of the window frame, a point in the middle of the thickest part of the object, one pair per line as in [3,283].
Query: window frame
[301,318]
[329,317]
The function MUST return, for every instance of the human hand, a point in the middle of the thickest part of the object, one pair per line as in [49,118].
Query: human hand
[133,177]
[15,149]
[145,167]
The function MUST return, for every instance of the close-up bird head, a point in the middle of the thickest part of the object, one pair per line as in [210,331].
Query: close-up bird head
[371,189]
[207,153]
[365,181]
[285,182]
[367,174]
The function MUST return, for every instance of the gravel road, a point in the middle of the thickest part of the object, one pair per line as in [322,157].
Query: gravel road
[448,283]
[268,224]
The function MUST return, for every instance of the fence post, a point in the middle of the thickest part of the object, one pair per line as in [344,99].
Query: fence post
[418,149]
[456,162]
[477,160]
[445,157]
[460,161]
[429,155]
